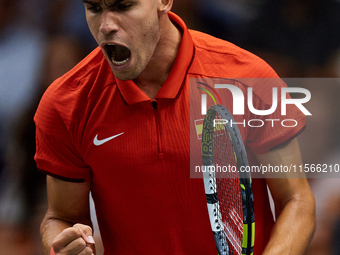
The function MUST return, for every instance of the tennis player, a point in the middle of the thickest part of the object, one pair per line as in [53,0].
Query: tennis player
[117,125]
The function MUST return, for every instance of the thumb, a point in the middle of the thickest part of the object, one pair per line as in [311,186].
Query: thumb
[86,233]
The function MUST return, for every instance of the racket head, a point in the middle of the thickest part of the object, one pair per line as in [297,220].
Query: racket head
[228,190]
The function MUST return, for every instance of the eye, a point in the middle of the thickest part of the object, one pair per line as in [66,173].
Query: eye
[93,7]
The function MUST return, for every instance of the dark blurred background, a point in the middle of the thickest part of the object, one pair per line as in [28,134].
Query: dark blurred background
[41,40]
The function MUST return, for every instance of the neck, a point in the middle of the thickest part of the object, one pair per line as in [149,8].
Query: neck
[159,67]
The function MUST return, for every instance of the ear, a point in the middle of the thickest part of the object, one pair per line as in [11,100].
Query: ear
[164,6]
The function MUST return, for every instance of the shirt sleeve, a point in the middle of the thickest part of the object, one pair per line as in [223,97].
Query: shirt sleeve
[56,153]
[267,132]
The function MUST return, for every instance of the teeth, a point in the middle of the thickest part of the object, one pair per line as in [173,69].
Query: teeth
[118,63]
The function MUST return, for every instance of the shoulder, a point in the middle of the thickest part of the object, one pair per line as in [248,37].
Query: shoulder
[67,96]
[215,57]
[83,76]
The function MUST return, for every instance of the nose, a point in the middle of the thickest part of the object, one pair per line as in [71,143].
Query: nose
[108,23]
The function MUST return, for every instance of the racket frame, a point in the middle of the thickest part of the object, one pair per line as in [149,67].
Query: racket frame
[210,178]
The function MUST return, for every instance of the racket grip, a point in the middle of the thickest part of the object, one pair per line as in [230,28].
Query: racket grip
[52,251]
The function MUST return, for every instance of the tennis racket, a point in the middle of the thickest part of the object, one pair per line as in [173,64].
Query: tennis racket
[228,189]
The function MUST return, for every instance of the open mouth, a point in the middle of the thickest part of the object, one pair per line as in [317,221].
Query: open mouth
[118,54]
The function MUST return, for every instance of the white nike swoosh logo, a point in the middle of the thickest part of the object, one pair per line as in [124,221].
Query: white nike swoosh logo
[100,142]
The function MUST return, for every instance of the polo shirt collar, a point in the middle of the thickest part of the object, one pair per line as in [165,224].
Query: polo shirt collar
[132,94]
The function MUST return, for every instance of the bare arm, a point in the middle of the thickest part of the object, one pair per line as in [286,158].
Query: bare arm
[68,205]
[294,204]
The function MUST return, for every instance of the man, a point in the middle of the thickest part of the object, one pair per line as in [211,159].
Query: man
[117,125]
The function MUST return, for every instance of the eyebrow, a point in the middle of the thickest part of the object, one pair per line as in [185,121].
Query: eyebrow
[88,2]
[113,4]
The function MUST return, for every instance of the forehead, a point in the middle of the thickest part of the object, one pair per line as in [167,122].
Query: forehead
[110,2]
[113,2]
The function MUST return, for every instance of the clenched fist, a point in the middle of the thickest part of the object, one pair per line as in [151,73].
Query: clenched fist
[76,240]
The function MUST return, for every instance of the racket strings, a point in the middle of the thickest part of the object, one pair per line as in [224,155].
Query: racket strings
[228,185]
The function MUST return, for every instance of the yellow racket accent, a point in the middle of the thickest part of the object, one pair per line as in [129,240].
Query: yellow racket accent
[245,236]
[253,234]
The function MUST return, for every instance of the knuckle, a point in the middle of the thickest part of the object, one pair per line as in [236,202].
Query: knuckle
[83,227]
[79,244]
[58,243]
[78,225]
[88,228]
[72,231]
[76,232]
[88,250]
[72,248]
[69,237]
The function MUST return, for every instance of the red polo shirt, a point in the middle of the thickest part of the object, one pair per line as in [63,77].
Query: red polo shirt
[136,152]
